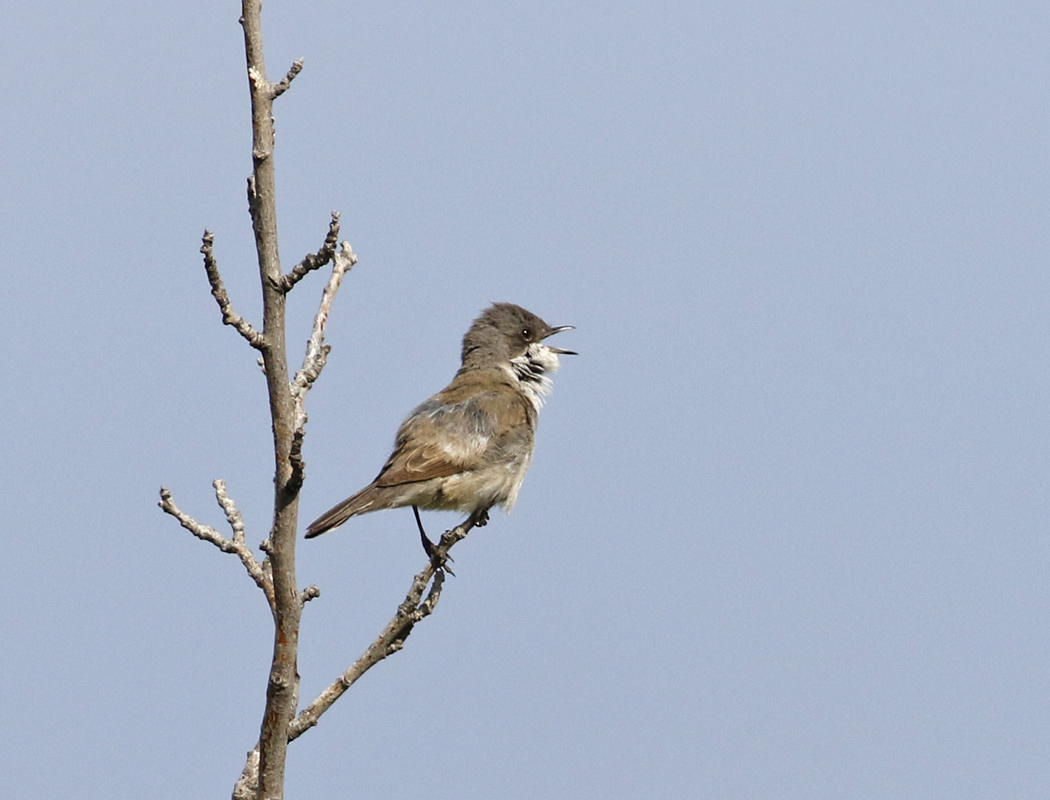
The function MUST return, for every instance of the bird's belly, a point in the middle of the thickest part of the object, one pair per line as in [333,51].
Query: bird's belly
[469,491]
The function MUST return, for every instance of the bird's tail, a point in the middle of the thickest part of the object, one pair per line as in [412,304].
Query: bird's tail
[365,500]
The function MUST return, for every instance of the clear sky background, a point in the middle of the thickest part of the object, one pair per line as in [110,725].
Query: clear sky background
[785,534]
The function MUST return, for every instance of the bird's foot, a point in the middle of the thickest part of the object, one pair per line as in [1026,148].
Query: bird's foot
[480,518]
[438,560]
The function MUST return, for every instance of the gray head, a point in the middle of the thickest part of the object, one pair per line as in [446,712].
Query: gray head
[508,335]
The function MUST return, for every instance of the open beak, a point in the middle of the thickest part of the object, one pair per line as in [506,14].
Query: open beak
[559,350]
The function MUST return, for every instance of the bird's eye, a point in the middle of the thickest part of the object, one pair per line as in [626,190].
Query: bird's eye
[525,333]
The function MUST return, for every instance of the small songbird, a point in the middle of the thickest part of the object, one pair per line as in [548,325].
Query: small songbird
[468,447]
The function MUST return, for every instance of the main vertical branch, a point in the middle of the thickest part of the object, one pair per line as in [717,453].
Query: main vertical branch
[282,688]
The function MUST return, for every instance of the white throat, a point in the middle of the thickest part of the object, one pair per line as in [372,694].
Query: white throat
[530,371]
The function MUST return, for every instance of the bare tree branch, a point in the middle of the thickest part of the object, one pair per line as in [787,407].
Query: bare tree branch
[315,356]
[280,88]
[316,350]
[282,688]
[218,291]
[314,260]
[259,573]
[257,75]
[233,516]
[414,608]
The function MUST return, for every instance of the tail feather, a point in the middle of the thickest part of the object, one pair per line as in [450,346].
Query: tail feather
[362,502]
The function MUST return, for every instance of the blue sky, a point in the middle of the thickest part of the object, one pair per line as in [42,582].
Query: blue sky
[785,533]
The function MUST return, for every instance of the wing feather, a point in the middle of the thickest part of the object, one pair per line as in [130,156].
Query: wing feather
[437,440]
[458,430]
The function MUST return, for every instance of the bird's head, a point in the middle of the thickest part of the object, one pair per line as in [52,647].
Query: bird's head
[508,334]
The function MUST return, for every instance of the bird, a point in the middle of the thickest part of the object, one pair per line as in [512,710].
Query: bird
[468,447]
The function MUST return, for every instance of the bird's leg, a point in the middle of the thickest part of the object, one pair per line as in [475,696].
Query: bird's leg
[428,545]
[436,558]
[479,518]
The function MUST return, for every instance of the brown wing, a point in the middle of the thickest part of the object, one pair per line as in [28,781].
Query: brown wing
[413,464]
[455,431]
[437,440]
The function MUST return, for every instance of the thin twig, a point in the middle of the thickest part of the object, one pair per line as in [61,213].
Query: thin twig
[316,351]
[313,260]
[315,356]
[218,291]
[258,572]
[413,609]
[233,515]
[280,88]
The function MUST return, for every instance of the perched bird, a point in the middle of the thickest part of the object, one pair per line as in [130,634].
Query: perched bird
[468,447]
